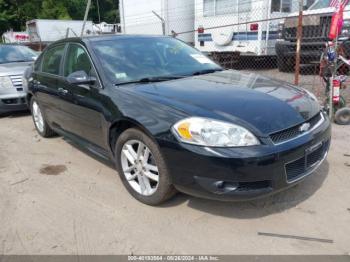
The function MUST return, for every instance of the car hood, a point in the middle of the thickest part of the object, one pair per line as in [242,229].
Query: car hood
[14,68]
[257,102]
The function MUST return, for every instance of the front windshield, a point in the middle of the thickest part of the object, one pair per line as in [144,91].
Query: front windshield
[16,53]
[132,59]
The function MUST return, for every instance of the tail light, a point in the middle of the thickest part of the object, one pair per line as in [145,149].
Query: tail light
[336,91]
[200,30]
[254,27]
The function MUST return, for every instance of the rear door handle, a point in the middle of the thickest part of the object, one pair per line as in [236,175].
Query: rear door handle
[62,91]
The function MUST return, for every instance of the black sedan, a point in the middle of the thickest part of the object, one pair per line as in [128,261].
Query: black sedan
[171,119]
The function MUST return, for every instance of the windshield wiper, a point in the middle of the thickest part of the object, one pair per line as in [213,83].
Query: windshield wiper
[150,80]
[206,71]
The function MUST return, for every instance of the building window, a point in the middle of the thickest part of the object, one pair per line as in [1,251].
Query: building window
[224,7]
[209,7]
[244,6]
[281,6]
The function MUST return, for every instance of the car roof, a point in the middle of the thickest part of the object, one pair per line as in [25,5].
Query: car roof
[95,38]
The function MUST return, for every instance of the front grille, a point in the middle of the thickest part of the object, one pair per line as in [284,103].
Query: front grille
[294,131]
[310,32]
[314,157]
[295,168]
[298,168]
[16,81]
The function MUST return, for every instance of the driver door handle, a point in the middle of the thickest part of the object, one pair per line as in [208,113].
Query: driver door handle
[62,91]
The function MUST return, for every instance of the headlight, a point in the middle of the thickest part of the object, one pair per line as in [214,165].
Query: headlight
[208,132]
[5,82]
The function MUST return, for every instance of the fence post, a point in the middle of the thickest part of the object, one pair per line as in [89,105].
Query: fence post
[330,113]
[85,17]
[162,20]
[299,36]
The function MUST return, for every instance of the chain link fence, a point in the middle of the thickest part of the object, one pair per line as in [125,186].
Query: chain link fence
[247,35]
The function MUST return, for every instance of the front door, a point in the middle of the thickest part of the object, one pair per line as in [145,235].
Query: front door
[81,103]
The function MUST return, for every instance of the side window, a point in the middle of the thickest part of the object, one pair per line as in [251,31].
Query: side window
[77,60]
[52,60]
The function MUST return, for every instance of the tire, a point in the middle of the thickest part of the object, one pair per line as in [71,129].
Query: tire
[157,192]
[342,116]
[284,64]
[43,128]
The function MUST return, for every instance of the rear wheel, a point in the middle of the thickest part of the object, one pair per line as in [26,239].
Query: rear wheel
[142,168]
[39,121]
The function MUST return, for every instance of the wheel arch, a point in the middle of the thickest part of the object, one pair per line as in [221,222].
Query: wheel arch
[119,126]
[29,98]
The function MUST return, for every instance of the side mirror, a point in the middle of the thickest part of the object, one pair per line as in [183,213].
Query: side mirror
[80,78]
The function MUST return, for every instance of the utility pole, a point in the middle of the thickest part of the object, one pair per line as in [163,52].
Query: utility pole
[162,20]
[299,37]
[85,16]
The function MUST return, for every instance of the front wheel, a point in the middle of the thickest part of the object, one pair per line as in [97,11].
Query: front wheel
[39,121]
[142,168]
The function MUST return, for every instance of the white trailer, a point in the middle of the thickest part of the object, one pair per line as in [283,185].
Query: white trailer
[246,27]
[137,17]
[47,30]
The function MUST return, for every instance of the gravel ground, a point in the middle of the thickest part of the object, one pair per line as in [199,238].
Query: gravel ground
[57,199]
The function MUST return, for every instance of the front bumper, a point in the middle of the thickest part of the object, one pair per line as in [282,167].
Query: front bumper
[13,103]
[245,173]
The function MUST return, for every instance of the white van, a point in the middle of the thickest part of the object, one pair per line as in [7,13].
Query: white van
[252,25]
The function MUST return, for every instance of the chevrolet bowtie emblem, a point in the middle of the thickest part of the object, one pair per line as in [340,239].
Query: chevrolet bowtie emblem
[304,127]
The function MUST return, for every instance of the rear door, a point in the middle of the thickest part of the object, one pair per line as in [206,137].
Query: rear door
[82,104]
[45,83]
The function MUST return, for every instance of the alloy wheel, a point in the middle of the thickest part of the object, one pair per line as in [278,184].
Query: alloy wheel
[139,167]
[38,117]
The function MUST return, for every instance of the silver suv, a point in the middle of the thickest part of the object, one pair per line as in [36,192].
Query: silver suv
[14,60]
